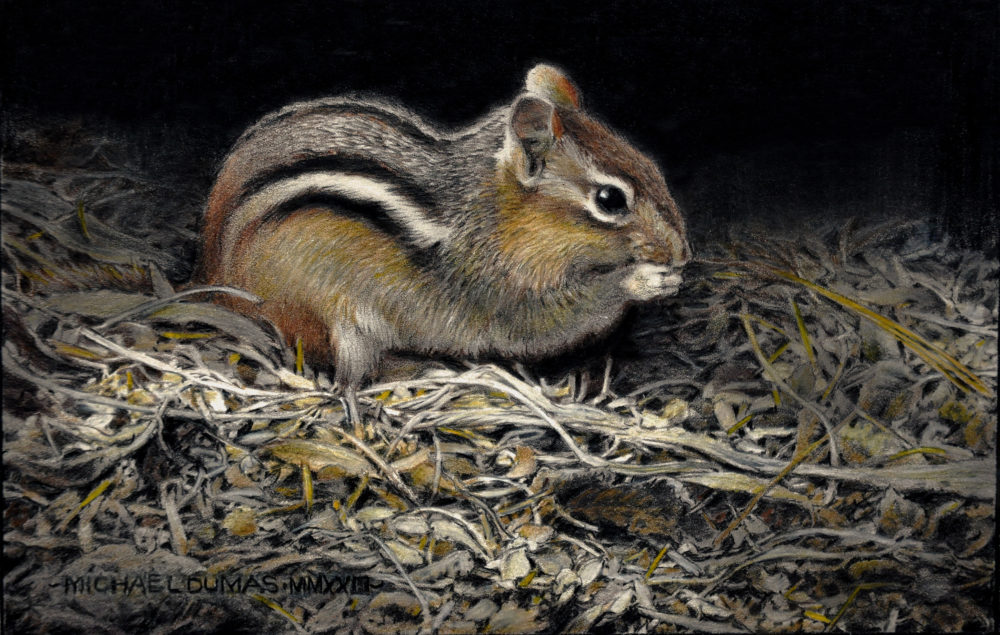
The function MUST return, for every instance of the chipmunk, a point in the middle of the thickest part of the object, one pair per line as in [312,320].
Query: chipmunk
[365,229]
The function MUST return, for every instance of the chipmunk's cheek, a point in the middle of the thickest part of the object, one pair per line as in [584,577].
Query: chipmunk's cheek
[647,281]
[588,266]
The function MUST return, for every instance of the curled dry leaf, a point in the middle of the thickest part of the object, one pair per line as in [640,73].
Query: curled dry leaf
[317,455]
[374,513]
[412,525]
[514,565]
[524,463]
[481,610]
[450,531]
[406,554]
[454,565]
[100,303]
[242,521]
[536,534]
[511,619]
[589,571]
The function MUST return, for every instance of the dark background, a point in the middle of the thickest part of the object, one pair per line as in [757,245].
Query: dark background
[776,110]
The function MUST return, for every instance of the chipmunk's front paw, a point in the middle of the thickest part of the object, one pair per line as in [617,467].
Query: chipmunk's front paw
[648,281]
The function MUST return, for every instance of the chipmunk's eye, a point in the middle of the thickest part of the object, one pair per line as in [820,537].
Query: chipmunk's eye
[611,200]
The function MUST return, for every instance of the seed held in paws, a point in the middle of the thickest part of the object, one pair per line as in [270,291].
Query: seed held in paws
[649,281]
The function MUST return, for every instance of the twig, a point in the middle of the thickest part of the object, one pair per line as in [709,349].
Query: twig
[775,378]
[424,606]
[390,472]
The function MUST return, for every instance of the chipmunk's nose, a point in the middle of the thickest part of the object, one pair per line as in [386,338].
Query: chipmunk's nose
[670,248]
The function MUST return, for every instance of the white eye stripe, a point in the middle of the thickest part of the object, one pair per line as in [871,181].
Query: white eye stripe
[603,217]
[600,179]
[596,177]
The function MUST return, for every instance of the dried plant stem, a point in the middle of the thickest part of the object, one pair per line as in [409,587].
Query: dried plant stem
[148,307]
[425,608]
[775,378]
[390,473]
[955,371]
[796,460]
[694,624]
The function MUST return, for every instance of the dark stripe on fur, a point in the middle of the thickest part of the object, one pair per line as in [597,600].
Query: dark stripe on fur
[351,165]
[372,214]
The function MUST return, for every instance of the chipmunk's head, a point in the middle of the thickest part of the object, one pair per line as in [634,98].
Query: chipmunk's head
[579,201]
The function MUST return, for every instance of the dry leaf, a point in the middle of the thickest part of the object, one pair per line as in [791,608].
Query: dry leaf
[242,521]
[510,619]
[317,456]
[524,463]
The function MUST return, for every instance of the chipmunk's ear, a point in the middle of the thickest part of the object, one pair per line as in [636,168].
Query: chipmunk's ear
[549,83]
[535,123]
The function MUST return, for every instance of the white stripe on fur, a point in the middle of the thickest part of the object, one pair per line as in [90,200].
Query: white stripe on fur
[423,231]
